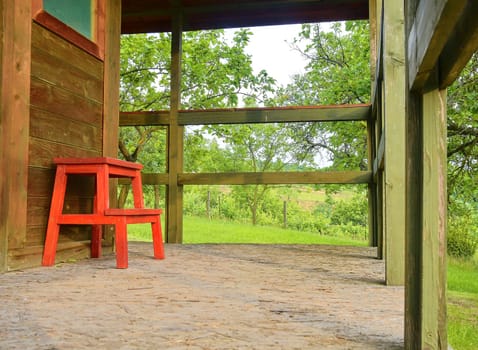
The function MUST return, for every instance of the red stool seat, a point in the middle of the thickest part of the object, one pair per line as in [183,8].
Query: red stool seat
[103,168]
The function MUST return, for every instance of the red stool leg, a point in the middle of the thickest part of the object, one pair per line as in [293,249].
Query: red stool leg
[56,209]
[96,234]
[157,239]
[137,188]
[121,243]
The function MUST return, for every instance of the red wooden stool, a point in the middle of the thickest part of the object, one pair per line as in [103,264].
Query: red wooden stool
[103,169]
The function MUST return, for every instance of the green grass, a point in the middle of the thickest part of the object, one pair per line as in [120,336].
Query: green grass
[201,230]
[463,304]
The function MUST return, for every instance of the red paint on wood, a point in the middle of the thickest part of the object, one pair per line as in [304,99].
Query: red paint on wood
[103,168]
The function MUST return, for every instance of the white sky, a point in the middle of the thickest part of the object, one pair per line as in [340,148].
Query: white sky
[271,51]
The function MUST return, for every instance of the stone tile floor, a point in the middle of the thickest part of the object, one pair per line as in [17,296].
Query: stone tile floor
[206,297]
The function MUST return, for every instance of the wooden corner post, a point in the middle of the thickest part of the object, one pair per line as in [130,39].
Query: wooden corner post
[395,91]
[15,66]
[112,41]
[174,215]
[425,288]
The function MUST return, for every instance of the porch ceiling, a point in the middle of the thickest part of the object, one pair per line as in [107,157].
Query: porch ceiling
[150,16]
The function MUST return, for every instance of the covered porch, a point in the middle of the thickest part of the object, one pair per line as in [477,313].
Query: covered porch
[207,297]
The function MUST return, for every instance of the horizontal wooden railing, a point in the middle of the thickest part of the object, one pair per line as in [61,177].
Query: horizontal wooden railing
[349,112]
[266,178]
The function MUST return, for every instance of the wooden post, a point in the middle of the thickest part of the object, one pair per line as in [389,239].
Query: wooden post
[208,205]
[111,74]
[174,217]
[285,214]
[15,63]
[157,196]
[425,300]
[394,133]
[413,224]
[434,219]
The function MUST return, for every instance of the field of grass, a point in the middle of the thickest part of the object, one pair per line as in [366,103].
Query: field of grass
[462,275]
[463,304]
[201,230]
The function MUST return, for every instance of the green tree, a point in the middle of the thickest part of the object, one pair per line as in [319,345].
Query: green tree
[259,148]
[215,73]
[463,136]
[338,72]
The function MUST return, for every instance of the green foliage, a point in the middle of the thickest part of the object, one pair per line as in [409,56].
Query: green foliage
[338,72]
[463,135]
[461,238]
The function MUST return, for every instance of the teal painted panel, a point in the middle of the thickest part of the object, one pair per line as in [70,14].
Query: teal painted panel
[75,13]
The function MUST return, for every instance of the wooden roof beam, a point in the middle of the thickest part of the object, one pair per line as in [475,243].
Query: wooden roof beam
[462,44]
[432,26]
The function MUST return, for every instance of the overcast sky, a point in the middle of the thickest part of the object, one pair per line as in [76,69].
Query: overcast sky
[270,50]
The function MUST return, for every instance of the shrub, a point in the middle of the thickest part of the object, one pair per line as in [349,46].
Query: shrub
[461,239]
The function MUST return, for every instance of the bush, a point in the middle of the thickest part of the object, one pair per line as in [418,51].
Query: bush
[461,239]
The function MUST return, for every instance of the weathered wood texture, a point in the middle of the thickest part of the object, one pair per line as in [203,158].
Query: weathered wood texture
[277,178]
[111,39]
[66,120]
[463,42]
[349,112]
[413,239]
[15,66]
[250,178]
[174,214]
[394,78]
[433,257]
[276,115]
[432,26]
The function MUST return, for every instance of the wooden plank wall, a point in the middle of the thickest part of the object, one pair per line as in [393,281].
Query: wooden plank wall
[66,121]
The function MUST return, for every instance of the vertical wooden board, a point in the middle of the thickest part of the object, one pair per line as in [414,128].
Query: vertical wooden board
[413,224]
[111,37]
[372,187]
[394,132]
[175,142]
[15,61]
[373,22]
[111,78]
[433,262]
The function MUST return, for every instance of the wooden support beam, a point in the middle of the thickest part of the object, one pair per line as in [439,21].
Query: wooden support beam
[15,66]
[269,178]
[277,178]
[276,115]
[413,227]
[144,118]
[395,93]
[352,112]
[379,161]
[434,209]
[112,38]
[463,42]
[431,29]
[154,179]
[174,213]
